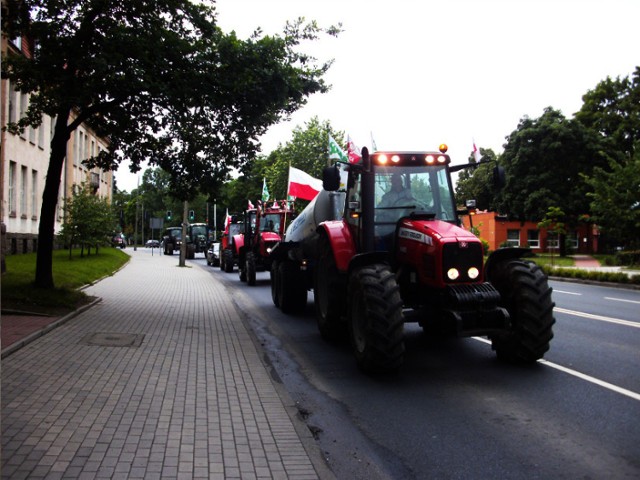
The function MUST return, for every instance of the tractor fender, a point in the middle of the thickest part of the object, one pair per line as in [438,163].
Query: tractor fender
[238,243]
[502,255]
[342,244]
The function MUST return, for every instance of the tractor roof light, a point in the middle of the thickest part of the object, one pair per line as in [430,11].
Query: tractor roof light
[430,159]
[382,159]
[442,159]
[395,158]
[443,148]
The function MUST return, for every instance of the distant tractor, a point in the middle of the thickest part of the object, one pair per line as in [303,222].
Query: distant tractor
[263,228]
[228,250]
[390,249]
[198,234]
[172,240]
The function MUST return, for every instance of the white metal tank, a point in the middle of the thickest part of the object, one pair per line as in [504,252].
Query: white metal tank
[326,206]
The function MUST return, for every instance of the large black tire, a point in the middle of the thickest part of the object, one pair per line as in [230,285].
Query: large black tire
[292,289]
[376,323]
[275,279]
[329,296]
[250,268]
[168,249]
[525,293]
[191,252]
[227,255]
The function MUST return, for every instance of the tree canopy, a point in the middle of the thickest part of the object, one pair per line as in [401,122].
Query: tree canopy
[545,160]
[161,81]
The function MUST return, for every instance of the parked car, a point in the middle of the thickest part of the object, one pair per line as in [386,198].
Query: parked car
[213,254]
[153,243]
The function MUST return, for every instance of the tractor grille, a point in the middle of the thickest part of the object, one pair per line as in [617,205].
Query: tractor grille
[461,256]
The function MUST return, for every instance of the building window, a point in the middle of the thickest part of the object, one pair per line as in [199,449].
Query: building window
[552,240]
[572,239]
[12,188]
[41,134]
[34,194]
[23,109]
[23,191]
[13,114]
[533,238]
[513,238]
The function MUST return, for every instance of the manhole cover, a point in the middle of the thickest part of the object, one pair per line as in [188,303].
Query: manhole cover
[111,339]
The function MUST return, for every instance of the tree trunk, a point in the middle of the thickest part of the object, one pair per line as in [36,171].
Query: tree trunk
[44,259]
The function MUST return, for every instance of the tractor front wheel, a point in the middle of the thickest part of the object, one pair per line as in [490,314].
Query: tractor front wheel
[525,293]
[329,295]
[227,256]
[275,279]
[376,323]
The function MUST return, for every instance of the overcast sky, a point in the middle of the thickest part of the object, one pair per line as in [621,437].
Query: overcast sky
[415,74]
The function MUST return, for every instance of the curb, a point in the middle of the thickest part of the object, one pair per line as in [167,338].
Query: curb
[35,335]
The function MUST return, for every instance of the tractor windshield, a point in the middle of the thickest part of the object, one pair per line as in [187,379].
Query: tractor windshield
[401,190]
[270,223]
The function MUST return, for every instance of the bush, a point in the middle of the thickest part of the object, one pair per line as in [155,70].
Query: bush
[598,276]
[628,258]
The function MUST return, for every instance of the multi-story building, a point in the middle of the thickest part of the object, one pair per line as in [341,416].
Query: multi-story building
[24,160]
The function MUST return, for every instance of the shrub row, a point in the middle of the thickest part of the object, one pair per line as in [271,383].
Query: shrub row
[632,257]
[613,277]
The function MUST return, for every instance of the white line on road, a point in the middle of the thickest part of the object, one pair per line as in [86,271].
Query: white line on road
[598,317]
[622,300]
[588,378]
[565,292]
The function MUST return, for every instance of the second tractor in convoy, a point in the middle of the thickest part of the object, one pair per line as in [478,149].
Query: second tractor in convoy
[389,248]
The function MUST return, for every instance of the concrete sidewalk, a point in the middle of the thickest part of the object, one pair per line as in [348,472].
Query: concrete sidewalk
[161,379]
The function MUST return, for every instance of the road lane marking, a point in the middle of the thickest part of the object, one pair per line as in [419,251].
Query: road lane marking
[598,317]
[567,293]
[622,300]
[582,376]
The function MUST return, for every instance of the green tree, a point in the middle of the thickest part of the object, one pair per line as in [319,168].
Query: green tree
[612,109]
[476,182]
[615,204]
[545,160]
[89,221]
[307,150]
[554,224]
[160,80]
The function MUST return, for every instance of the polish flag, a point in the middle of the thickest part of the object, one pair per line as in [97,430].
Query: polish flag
[353,151]
[476,152]
[227,220]
[303,185]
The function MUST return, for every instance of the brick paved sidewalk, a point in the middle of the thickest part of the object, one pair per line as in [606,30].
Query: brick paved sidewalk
[161,379]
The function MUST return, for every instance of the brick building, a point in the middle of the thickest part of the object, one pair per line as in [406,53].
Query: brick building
[24,160]
[499,230]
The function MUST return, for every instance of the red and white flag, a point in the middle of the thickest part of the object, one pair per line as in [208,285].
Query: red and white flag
[227,220]
[476,152]
[303,185]
[353,151]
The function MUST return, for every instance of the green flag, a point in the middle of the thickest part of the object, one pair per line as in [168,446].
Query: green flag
[265,191]
[335,152]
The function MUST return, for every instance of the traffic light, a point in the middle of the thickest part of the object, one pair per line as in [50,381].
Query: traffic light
[169,215]
[192,215]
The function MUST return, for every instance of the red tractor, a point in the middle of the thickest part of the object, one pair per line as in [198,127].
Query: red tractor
[228,251]
[390,250]
[263,228]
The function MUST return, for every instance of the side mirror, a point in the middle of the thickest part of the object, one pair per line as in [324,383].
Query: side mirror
[331,179]
[499,177]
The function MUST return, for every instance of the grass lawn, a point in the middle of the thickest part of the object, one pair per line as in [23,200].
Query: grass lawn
[544,259]
[69,274]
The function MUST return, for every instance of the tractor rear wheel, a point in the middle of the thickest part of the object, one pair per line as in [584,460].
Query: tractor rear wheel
[250,268]
[376,323]
[329,295]
[292,290]
[525,293]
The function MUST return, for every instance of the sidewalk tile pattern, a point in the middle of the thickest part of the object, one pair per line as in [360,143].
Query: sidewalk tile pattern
[194,400]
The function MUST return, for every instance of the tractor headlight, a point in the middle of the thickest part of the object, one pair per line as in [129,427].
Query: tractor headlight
[473,273]
[453,273]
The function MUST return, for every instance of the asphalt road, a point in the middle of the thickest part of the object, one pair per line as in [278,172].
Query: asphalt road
[454,411]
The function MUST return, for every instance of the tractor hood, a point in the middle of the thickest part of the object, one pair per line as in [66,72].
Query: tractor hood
[270,237]
[434,232]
